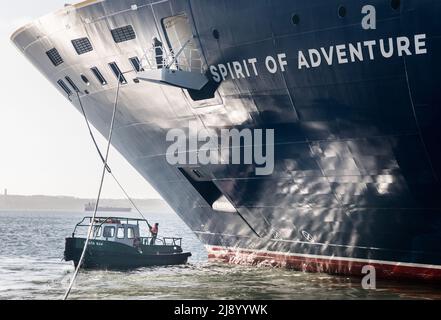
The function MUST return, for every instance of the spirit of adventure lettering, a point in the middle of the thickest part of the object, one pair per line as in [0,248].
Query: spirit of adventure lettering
[335,54]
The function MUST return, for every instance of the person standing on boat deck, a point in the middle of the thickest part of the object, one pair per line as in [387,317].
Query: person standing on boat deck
[154,231]
[159,52]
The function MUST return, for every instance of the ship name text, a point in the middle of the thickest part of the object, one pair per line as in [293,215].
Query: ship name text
[339,54]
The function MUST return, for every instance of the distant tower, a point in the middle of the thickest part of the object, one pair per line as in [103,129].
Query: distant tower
[6,192]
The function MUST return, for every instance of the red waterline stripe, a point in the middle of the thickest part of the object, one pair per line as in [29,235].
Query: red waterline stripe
[323,265]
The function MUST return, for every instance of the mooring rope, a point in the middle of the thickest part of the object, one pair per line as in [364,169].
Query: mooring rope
[105,168]
[107,165]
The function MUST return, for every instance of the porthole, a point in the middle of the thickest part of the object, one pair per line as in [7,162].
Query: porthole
[295,19]
[395,4]
[342,12]
[85,80]
[216,34]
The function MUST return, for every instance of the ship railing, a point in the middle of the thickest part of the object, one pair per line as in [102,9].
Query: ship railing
[166,241]
[187,58]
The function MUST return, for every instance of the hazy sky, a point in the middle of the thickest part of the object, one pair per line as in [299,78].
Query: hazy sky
[45,148]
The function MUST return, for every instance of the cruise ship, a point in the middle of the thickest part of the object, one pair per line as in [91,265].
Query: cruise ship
[350,90]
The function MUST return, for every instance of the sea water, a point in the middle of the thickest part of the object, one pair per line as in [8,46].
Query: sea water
[31,267]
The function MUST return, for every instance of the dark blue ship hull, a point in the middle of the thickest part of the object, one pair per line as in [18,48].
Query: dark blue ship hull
[357,146]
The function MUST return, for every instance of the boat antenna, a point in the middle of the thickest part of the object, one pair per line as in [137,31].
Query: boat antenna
[89,232]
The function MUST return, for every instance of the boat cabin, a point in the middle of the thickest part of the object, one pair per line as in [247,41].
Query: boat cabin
[123,230]
[115,230]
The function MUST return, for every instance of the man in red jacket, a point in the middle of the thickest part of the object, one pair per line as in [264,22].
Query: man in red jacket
[154,231]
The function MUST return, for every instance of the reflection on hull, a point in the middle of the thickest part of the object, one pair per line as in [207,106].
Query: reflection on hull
[357,145]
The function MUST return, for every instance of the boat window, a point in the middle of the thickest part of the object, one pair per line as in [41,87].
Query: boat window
[117,71]
[120,233]
[98,231]
[109,232]
[136,64]
[130,233]
[72,84]
[123,34]
[82,45]
[54,57]
[64,87]
[99,76]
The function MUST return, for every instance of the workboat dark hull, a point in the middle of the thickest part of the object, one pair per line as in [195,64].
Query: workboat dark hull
[112,255]
[357,145]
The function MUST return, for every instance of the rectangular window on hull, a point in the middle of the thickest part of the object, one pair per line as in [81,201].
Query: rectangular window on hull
[82,45]
[72,84]
[54,57]
[136,64]
[64,87]
[123,34]
[117,71]
[99,76]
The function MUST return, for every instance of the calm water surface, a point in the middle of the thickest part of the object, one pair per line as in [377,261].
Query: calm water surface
[31,267]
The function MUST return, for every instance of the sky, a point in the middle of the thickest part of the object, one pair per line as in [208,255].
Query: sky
[45,148]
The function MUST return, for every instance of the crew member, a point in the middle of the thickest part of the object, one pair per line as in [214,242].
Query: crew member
[154,232]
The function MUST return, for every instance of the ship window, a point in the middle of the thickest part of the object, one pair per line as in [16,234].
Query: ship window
[85,80]
[136,64]
[63,86]
[295,19]
[123,34]
[342,12]
[130,233]
[117,71]
[99,76]
[109,232]
[395,4]
[54,57]
[72,84]
[120,233]
[82,45]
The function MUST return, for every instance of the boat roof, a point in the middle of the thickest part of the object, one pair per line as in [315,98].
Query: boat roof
[110,219]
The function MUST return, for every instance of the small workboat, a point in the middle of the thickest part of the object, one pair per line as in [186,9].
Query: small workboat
[116,244]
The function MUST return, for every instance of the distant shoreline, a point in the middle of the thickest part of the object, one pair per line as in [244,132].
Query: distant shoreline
[66,203]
